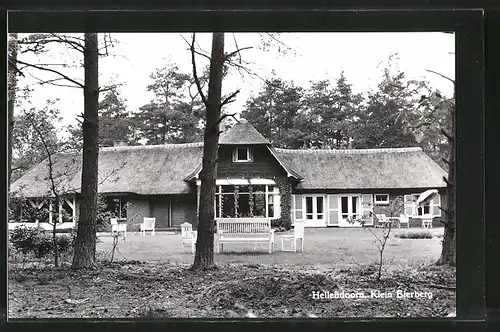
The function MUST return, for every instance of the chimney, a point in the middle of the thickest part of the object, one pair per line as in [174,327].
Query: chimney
[119,143]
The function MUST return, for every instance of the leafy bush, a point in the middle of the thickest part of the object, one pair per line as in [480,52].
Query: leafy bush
[103,215]
[38,241]
[281,223]
[414,235]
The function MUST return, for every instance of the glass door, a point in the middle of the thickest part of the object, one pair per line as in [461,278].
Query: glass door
[350,208]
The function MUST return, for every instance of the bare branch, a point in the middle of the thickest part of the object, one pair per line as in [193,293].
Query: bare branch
[443,76]
[52,71]
[448,136]
[13,65]
[229,99]
[195,74]
[237,47]
[237,52]
[448,183]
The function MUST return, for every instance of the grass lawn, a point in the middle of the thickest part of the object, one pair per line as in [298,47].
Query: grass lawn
[152,280]
[329,247]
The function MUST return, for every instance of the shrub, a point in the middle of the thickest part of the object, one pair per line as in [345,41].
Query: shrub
[25,238]
[414,235]
[281,223]
[38,241]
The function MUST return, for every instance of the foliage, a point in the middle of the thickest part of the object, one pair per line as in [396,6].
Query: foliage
[28,149]
[175,114]
[414,235]
[274,111]
[115,123]
[103,214]
[38,241]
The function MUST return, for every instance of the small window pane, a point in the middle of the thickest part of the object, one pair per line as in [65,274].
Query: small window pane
[309,205]
[344,204]
[355,205]
[298,202]
[319,207]
[242,154]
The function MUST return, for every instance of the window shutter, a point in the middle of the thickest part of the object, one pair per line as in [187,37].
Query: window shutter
[367,208]
[409,205]
[277,205]
[333,210]
[298,213]
[435,206]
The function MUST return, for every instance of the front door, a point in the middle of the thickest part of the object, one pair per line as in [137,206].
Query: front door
[350,209]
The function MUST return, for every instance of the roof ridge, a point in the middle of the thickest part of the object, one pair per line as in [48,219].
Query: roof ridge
[144,147]
[351,151]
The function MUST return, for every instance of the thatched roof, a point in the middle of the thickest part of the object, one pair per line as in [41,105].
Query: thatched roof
[164,169]
[145,170]
[364,168]
[242,133]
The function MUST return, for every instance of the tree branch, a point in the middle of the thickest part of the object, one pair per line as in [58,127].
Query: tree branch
[443,76]
[448,136]
[448,183]
[195,74]
[229,99]
[236,52]
[52,71]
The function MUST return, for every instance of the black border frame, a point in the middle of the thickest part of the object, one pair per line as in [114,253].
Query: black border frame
[468,25]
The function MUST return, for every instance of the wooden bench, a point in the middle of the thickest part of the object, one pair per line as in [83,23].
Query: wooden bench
[244,230]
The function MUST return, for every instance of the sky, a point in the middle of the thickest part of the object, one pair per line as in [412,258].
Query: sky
[308,57]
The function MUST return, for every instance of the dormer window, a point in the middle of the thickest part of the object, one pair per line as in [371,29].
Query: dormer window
[242,155]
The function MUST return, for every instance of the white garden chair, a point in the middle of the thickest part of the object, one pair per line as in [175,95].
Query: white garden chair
[298,233]
[148,225]
[188,236]
[118,228]
[404,219]
[427,221]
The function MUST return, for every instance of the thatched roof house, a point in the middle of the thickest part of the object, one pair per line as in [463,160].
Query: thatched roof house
[327,186]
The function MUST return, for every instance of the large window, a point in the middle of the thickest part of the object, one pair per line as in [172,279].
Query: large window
[247,201]
[314,207]
[431,207]
[117,206]
[350,207]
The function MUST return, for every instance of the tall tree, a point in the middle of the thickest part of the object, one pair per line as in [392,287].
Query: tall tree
[85,244]
[447,105]
[273,111]
[115,123]
[204,256]
[88,46]
[12,86]
[329,111]
[385,119]
[175,113]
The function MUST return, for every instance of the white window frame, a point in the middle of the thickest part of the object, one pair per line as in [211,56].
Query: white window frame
[384,202]
[249,155]
[314,206]
[431,205]
[359,207]
[275,193]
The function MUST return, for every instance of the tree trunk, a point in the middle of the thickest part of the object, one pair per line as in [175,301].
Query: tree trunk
[12,85]
[448,253]
[85,245]
[204,257]
[54,236]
